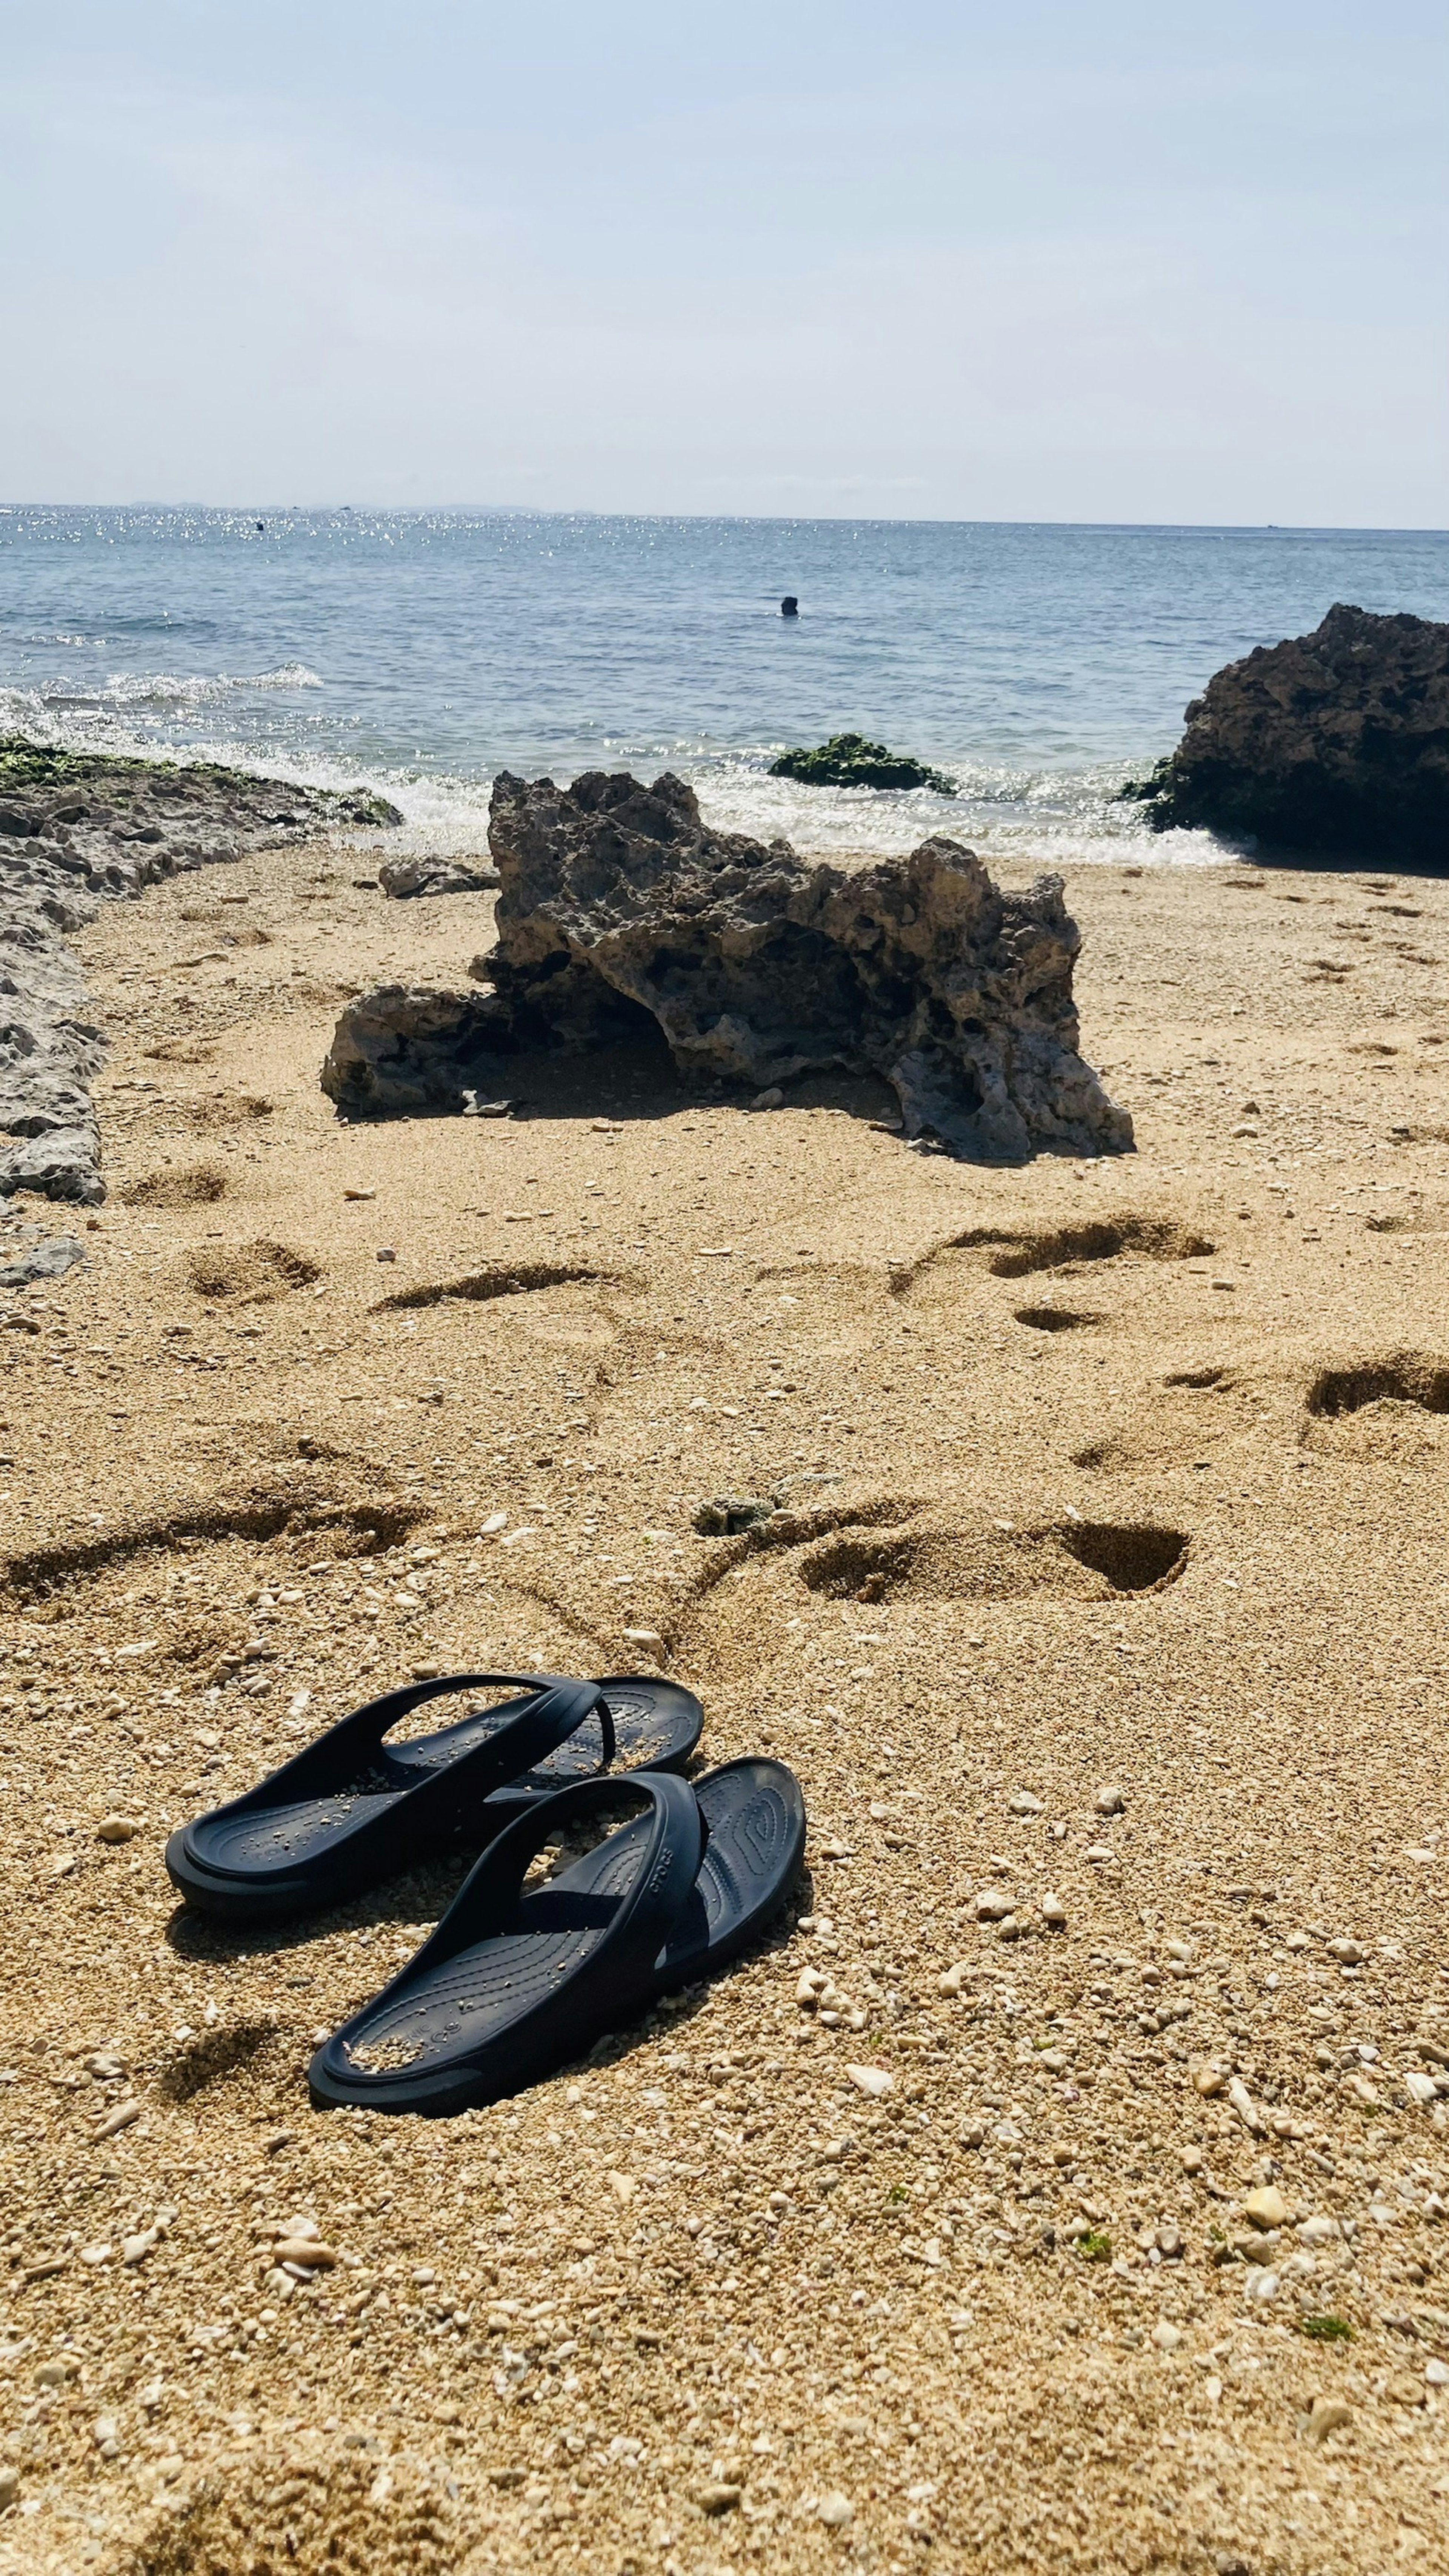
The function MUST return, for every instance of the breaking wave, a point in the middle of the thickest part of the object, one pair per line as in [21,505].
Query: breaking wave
[143,689]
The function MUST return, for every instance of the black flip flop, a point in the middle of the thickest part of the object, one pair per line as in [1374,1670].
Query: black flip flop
[511,1986]
[351,1811]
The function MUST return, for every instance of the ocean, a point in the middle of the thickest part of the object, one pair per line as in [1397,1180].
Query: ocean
[421,652]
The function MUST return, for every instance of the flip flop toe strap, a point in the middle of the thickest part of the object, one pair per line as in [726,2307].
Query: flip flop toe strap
[557,1707]
[659,1888]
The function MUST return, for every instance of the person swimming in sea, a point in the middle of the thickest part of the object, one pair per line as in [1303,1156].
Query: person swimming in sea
[789,605]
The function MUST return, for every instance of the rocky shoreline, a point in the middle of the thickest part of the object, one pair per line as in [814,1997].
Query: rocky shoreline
[77,830]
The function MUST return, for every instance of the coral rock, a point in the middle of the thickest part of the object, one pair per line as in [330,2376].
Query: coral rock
[622,914]
[1338,740]
[402,878]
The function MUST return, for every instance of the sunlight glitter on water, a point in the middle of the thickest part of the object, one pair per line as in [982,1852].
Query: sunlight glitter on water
[419,653]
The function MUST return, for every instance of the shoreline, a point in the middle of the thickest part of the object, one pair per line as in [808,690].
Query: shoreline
[445,813]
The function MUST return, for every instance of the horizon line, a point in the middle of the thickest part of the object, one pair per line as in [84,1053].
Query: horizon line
[743,518]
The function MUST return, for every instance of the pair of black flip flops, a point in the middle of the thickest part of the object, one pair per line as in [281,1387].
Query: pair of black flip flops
[514,1982]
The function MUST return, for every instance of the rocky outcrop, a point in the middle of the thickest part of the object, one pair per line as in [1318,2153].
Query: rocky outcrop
[49,1049]
[403,878]
[404,1048]
[75,830]
[623,913]
[1338,740]
[848,760]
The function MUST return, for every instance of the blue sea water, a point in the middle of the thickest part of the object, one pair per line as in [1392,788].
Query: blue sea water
[423,651]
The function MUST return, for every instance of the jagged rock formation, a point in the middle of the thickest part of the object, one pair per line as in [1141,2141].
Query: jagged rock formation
[403,878]
[74,828]
[1338,740]
[622,912]
[49,1049]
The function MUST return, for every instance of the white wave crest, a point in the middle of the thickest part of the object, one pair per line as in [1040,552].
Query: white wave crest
[1043,818]
[140,690]
[1056,818]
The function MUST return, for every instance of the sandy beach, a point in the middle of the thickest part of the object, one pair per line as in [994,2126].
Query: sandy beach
[1101,1617]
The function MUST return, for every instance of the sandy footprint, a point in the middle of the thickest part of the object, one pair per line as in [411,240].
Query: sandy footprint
[1390,1409]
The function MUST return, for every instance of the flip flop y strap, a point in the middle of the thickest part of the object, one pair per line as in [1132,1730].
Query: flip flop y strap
[608,1981]
[659,1889]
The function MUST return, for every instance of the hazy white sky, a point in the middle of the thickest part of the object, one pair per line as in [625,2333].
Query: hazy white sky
[1135,260]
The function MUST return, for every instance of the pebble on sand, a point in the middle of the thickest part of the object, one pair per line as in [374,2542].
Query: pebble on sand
[1318,2230]
[648,1640]
[875,2081]
[124,2114]
[1246,2108]
[306,2250]
[117,1829]
[717,2498]
[1327,2415]
[1267,2207]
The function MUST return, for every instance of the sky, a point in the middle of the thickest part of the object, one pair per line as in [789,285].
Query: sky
[1123,262]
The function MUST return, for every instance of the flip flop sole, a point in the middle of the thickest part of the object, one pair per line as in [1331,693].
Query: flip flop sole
[755,1811]
[229,1898]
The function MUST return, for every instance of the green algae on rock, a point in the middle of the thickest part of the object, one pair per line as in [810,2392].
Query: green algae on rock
[43,769]
[848,760]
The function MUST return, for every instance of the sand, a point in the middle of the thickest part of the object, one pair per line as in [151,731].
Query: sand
[1110,1569]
